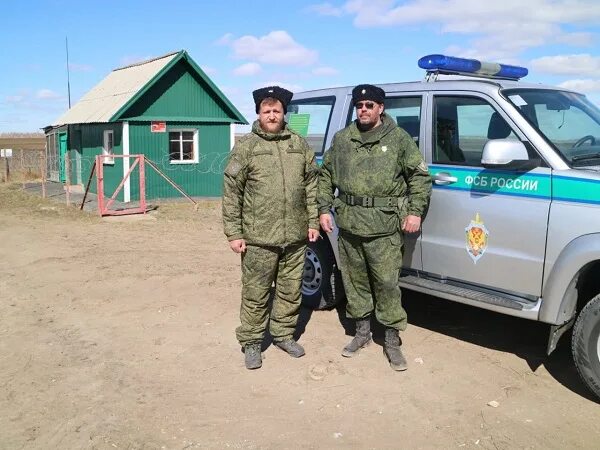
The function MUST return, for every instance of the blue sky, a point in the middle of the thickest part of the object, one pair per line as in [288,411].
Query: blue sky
[243,45]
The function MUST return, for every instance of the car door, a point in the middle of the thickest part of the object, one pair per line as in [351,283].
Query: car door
[484,227]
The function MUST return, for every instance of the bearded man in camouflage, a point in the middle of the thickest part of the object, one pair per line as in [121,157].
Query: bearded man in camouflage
[269,212]
[383,190]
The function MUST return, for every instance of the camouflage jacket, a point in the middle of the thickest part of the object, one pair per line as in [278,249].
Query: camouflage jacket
[382,162]
[270,188]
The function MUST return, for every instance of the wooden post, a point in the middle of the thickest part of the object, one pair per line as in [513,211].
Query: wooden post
[24,172]
[6,169]
[43,174]
[68,177]
[100,184]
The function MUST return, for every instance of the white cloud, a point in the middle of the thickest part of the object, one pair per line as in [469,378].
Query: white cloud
[576,39]
[225,39]
[584,86]
[42,100]
[232,91]
[470,16]
[46,94]
[247,70]
[326,9]
[502,28]
[324,71]
[289,86]
[581,65]
[277,47]
[15,99]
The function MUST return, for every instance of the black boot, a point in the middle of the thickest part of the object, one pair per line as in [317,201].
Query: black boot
[360,340]
[253,358]
[391,349]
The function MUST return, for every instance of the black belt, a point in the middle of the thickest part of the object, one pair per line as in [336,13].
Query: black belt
[368,202]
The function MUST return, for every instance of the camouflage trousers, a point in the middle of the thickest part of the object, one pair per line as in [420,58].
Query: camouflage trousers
[370,270]
[260,267]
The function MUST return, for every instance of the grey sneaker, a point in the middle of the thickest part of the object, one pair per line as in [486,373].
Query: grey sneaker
[291,347]
[252,356]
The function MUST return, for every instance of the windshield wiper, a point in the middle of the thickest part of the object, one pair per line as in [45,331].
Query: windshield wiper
[586,157]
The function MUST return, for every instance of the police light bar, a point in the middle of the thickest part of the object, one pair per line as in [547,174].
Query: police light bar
[472,67]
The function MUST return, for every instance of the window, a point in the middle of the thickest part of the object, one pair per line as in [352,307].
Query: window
[108,146]
[463,125]
[183,146]
[312,118]
[406,111]
[569,121]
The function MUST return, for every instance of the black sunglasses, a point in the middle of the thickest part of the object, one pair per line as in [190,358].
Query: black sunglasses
[368,105]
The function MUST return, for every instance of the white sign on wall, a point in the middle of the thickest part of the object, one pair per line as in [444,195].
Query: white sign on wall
[6,153]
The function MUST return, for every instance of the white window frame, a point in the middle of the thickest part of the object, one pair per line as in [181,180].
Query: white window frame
[195,146]
[105,149]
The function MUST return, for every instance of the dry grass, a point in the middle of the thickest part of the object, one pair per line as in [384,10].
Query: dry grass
[186,211]
[15,201]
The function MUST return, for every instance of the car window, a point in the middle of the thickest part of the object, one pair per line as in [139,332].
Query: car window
[463,125]
[310,118]
[566,119]
[406,111]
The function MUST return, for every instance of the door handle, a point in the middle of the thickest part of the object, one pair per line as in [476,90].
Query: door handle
[444,178]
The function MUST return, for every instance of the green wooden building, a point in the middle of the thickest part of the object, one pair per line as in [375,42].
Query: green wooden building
[165,108]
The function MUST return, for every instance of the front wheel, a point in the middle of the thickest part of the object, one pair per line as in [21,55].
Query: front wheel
[586,344]
[321,282]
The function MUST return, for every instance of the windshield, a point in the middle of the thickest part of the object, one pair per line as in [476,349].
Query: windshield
[568,120]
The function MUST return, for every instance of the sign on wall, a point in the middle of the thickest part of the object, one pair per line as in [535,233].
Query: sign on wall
[6,153]
[158,127]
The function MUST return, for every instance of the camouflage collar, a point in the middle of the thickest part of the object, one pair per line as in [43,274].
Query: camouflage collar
[283,134]
[371,137]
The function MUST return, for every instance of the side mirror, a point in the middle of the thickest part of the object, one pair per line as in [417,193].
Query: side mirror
[507,154]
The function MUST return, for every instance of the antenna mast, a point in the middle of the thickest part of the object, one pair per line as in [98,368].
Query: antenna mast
[68,75]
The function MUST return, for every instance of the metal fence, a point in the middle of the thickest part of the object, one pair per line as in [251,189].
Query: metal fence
[41,172]
[23,165]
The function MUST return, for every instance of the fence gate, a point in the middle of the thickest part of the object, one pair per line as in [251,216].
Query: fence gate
[104,206]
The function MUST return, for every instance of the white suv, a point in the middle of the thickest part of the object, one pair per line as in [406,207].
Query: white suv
[514,220]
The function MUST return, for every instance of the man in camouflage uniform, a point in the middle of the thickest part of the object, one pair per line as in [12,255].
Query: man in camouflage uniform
[269,211]
[383,190]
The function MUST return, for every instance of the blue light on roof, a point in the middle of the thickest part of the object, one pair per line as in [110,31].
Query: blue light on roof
[453,65]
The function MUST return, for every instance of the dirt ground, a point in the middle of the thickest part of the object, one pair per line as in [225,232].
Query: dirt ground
[119,333]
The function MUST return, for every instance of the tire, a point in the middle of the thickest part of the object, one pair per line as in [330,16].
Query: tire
[321,281]
[586,344]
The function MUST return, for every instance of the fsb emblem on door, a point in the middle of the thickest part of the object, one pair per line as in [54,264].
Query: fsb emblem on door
[476,238]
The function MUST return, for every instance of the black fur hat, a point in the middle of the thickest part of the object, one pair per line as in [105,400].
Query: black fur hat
[276,92]
[367,92]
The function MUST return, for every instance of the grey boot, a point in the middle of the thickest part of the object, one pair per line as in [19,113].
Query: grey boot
[253,357]
[291,347]
[360,340]
[391,349]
